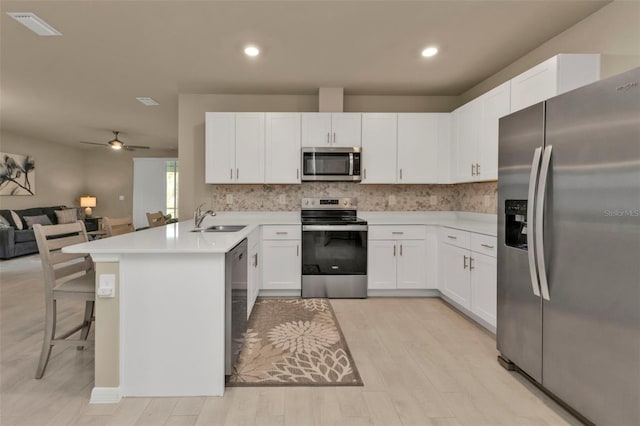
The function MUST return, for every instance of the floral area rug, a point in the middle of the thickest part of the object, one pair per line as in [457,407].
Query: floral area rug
[294,342]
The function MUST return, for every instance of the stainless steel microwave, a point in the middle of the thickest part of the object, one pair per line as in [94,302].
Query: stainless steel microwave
[331,164]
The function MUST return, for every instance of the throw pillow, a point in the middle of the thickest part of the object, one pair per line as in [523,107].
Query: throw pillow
[66,216]
[4,223]
[16,220]
[43,219]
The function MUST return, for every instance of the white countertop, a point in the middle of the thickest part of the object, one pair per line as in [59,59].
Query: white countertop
[177,238]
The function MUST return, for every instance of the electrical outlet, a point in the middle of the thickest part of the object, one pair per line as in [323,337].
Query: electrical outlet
[121,198]
[392,200]
[282,199]
[229,198]
[433,200]
[107,285]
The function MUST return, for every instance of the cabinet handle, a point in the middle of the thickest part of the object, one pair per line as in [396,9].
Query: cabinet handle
[328,138]
[465,262]
[237,173]
[487,246]
[397,233]
[334,138]
[477,169]
[452,237]
[255,260]
[400,173]
[230,173]
[297,173]
[394,250]
[365,174]
[281,233]
[400,249]
[471,263]
[297,249]
[473,170]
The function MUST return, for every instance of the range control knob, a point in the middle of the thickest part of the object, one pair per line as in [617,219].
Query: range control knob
[306,202]
[345,202]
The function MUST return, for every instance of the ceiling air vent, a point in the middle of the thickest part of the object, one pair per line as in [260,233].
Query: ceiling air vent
[147,101]
[35,23]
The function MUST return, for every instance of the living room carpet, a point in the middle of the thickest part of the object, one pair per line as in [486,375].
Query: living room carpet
[294,342]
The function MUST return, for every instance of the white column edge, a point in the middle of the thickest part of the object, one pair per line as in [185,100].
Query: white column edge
[105,395]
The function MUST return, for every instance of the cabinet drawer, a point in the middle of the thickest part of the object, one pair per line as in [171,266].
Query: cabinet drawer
[484,244]
[281,232]
[455,237]
[393,232]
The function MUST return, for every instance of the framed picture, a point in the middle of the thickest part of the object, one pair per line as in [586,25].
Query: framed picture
[17,174]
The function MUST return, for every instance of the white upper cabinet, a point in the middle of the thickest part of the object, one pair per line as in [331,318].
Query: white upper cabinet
[282,147]
[234,147]
[250,147]
[554,76]
[347,129]
[326,129]
[379,135]
[495,105]
[423,144]
[468,127]
[219,147]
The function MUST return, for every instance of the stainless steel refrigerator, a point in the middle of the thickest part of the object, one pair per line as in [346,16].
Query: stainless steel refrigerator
[569,247]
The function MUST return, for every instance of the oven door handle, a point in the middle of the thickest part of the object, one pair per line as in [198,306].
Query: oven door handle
[350,163]
[334,228]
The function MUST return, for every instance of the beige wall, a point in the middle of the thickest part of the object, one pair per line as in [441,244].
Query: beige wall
[613,31]
[64,173]
[59,173]
[109,174]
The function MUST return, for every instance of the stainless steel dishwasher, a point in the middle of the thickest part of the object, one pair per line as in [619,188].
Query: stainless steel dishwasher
[235,303]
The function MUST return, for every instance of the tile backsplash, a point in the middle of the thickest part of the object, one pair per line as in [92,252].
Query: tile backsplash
[470,197]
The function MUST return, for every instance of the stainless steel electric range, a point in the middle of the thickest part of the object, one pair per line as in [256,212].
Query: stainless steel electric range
[334,249]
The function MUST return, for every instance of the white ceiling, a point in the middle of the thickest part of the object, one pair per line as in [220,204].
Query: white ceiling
[82,85]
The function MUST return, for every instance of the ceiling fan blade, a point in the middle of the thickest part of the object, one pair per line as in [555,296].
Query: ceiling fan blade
[137,146]
[94,143]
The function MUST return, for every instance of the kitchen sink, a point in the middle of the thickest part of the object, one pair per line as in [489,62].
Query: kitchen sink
[221,228]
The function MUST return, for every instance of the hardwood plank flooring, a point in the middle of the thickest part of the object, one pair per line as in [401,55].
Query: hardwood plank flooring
[421,361]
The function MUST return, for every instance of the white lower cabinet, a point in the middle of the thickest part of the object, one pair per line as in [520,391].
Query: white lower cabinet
[281,253]
[399,263]
[469,277]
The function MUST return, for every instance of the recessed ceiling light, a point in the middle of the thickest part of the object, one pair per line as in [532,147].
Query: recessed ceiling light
[35,23]
[147,101]
[251,51]
[429,52]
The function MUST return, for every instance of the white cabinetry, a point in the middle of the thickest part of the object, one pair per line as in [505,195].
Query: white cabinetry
[331,129]
[234,147]
[468,272]
[476,135]
[254,274]
[556,75]
[282,148]
[379,154]
[398,258]
[423,147]
[281,254]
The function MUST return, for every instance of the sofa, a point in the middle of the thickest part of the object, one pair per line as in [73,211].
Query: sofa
[17,242]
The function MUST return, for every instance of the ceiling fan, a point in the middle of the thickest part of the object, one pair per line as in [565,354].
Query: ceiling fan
[116,143]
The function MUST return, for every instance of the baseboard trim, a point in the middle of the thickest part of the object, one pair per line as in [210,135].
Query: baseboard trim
[479,321]
[105,396]
[403,293]
[279,293]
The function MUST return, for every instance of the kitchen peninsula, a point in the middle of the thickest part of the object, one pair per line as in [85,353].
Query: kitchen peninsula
[162,331]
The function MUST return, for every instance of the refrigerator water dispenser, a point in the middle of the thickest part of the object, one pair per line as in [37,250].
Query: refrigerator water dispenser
[516,223]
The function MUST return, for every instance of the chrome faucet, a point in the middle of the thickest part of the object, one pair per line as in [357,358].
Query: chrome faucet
[199,215]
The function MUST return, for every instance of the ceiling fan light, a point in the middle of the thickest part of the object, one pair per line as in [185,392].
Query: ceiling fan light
[116,144]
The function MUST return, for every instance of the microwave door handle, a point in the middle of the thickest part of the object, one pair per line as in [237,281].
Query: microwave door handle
[531,243]
[351,164]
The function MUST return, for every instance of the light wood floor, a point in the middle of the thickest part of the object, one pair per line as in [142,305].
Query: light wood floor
[422,364]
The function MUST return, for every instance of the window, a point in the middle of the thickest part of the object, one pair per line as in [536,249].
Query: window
[172,188]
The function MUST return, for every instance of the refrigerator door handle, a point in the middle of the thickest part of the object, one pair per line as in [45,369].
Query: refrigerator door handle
[542,190]
[533,178]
